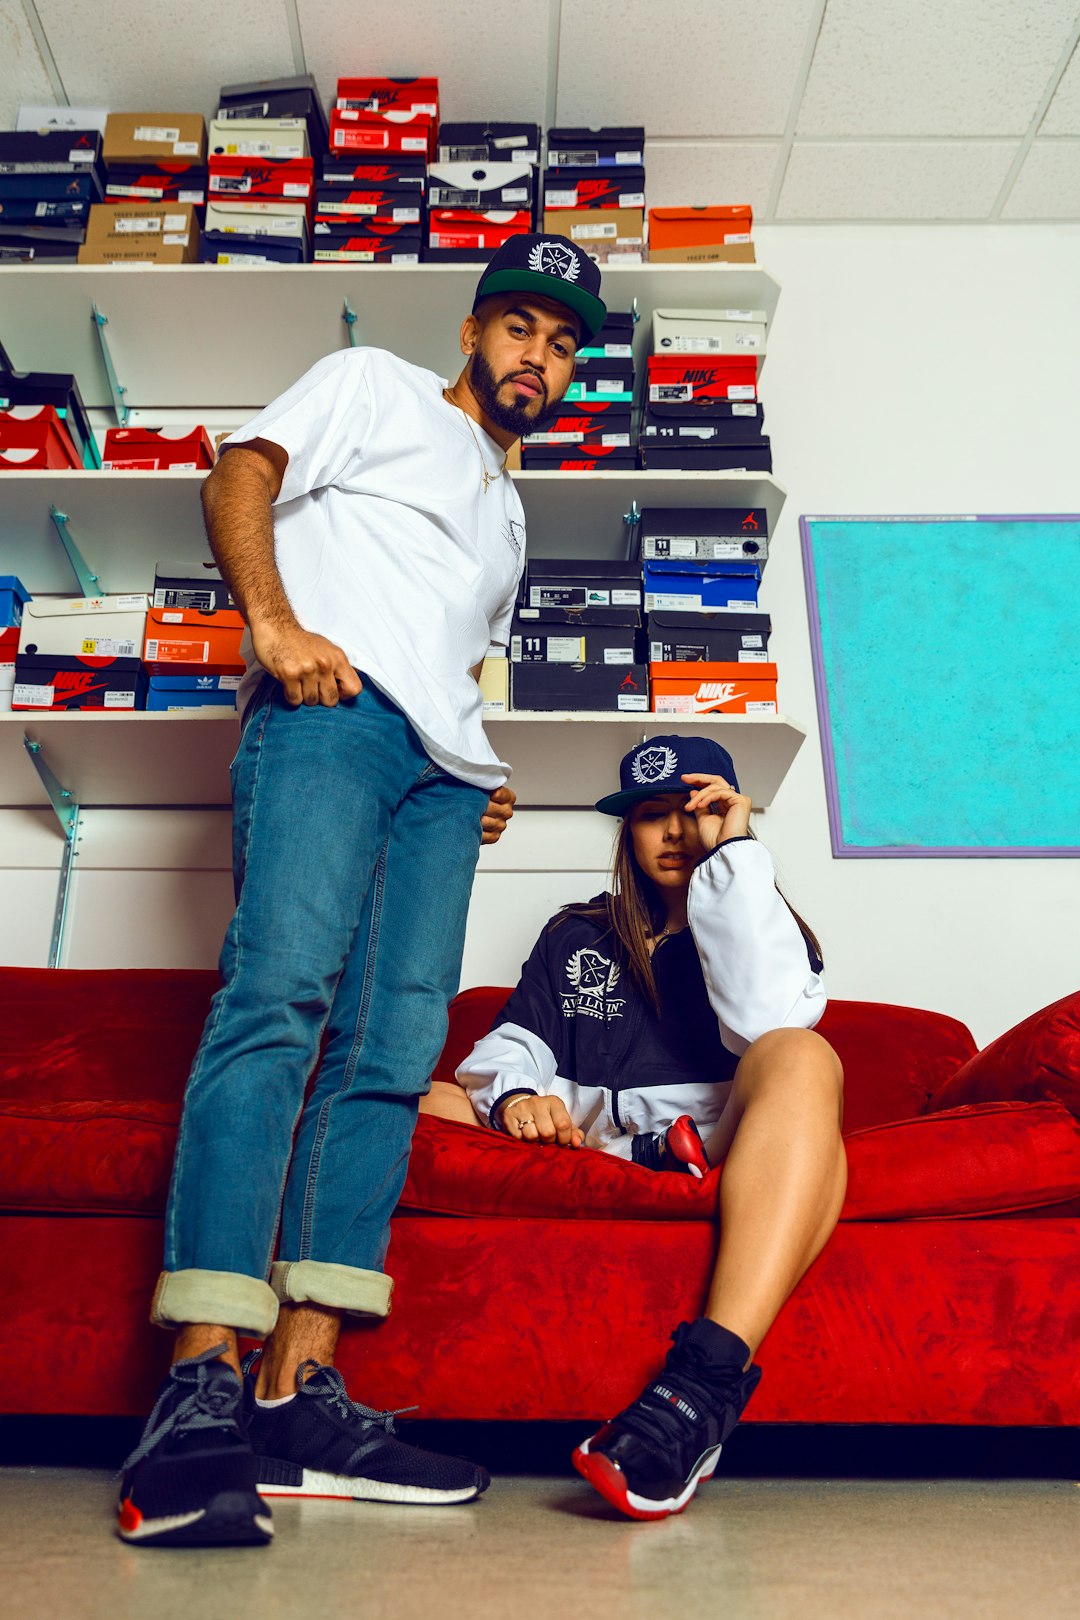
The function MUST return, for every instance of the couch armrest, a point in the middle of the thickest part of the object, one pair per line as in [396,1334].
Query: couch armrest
[1038,1060]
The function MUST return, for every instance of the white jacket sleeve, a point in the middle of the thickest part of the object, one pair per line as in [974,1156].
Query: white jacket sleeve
[510,1058]
[754,956]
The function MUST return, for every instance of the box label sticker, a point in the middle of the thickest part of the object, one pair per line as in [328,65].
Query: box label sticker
[560,199]
[176,222]
[566,650]
[744,410]
[294,188]
[413,143]
[593,233]
[618,655]
[753,641]
[157,132]
[761,708]
[185,148]
[109,647]
[625,598]
[743,236]
[631,199]
[629,157]
[177,652]
[242,258]
[38,697]
[143,226]
[633,701]
[746,657]
[119,700]
[191,196]
[515,649]
[175,239]
[78,154]
[172,618]
[406,216]
[742,391]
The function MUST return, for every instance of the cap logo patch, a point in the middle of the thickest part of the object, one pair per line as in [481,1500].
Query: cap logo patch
[552,259]
[652,764]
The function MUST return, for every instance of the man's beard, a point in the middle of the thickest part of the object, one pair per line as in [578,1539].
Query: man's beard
[518,418]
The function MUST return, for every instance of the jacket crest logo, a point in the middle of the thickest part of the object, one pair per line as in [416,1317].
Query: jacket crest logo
[592,978]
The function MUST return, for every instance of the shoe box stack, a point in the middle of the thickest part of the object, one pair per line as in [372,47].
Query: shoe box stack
[593,431]
[81,653]
[155,190]
[26,400]
[575,638]
[701,235]
[191,651]
[13,599]
[49,181]
[264,144]
[594,191]
[371,202]
[702,412]
[481,190]
[708,642]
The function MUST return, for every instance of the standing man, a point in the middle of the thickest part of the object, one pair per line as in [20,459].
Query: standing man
[371,538]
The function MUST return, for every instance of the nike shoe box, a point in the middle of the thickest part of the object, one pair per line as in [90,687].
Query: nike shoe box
[177,182]
[579,688]
[684,381]
[571,643]
[678,584]
[483,186]
[613,147]
[489,143]
[180,639]
[456,231]
[150,233]
[721,638]
[273,139]
[709,331]
[13,598]
[704,534]
[58,243]
[395,130]
[372,93]
[713,688]
[586,456]
[566,583]
[154,449]
[367,240]
[195,586]
[56,388]
[154,137]
[34,438]
[58,681]
[398,172]
[701,235]
[9,645]
[294,97]
[234,178]
[169,693]
[608,235]
[744,425]
[691,455]
[576,424]
[615,187]
[598,369]
[348,205]
[616,393]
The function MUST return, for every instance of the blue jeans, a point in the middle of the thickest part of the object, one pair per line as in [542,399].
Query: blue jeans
[354,857]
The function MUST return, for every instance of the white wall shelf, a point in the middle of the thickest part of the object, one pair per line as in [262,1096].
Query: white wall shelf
[191,336]
[122,522]
[144,760]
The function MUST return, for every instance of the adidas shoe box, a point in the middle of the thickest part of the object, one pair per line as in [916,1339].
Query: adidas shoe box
[579,688]
[581,582]
[191,691]
[697,585]
[704,534]
[709,331]
[721,638]
[489,143]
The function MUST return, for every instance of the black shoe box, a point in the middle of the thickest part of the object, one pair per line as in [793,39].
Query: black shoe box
[585,457]
[489,143]
[689,455]
[711,638]
[626,619]
[619,369]
[355,171]
[580,688]
[32,211]
[616,146]
[294,97]
[704,534]
[581,582]
[156,182]
[488,187]
[572,642]
[31,244]
[614,187]
[745,428]
[230,248]
[402,210]
[584,425]
[362,243]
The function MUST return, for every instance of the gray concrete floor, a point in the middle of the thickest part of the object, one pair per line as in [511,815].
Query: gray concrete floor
[537,1547]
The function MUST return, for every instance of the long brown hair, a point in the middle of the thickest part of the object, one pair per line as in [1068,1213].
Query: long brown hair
[633,910]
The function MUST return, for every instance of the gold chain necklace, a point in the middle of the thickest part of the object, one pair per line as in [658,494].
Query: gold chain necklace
[488,477]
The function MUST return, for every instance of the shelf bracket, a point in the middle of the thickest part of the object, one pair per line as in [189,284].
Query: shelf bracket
[348,315]
[89,582]
[635,313]
[67,814]
[631,519]
[116,388]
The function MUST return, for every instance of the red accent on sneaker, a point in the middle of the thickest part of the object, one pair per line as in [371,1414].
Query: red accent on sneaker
[607,1478]
[130,1517]
[684,1143]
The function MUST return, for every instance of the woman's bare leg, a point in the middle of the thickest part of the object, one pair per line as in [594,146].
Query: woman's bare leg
[784,1178]
[446,1100]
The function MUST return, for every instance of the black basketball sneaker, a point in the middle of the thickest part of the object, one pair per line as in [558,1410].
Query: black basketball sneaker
[649,1461]
[679,1148]
[321,1443]
[190,1481]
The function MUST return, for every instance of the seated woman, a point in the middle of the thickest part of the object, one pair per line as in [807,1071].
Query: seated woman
[680,1007]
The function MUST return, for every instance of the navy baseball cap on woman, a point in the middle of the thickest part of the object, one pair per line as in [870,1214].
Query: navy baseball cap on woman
[550,265]
[657,766]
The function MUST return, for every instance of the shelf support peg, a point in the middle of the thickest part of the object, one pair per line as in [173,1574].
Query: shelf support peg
[89,582]
[631,519]
[67,813]
[116,387]
[348,315]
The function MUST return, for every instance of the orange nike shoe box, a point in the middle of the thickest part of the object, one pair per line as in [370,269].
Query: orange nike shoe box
[713,688]
[700,235]
[182,638]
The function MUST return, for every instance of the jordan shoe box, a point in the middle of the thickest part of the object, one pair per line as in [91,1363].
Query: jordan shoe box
[9,646]
[568,620]
[58,243]
[615,392]
[177,182]
[70,210]
[704,534]
[709,331]
[571,643]
[579,688]
[699,585]
[155,449]
[718,688]
[461,236]
[293,97]
[680,382]
[336,204]
[591,418]
[480,142]
[184,639]
[197,586]
[35,438]
[399,172]
[701,235]
[50,154]
[720,638]
[581,582]
[178,692]
[606,148]
[691,454]
[235,250]
[374,93]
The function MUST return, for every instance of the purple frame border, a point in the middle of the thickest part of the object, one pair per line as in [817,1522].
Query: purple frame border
[840,849]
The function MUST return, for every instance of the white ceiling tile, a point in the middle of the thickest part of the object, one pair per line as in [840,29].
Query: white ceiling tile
[918,67]
[167,58]
[702,67]
[713,172]
[894,179]
[489,64]
[1063,113]
[1048,186]
[22,72]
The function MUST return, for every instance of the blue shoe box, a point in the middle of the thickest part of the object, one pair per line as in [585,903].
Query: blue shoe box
[13,593]
[191,691]
[700,586]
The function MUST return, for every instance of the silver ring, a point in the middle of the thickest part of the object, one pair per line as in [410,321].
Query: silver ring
[523,1122]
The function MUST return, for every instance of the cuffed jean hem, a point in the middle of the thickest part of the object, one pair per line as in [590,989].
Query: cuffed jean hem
[222,1298]
[342,1288]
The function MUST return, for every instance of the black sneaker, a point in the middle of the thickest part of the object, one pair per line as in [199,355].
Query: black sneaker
[649,1461]
[321,1443]
[191,1481]
[679,1149]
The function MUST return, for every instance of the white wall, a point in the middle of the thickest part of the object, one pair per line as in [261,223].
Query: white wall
[911,369]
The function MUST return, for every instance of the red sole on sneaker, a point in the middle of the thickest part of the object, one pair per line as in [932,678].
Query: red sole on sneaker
[685,1143]
[610,1481]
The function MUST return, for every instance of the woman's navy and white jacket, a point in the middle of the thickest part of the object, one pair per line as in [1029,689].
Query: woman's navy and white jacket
[578,1028]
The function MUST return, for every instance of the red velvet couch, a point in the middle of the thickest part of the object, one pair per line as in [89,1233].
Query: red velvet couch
[543,1284]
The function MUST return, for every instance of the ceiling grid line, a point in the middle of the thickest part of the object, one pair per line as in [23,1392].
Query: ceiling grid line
[48,60]
[296,36]
[1021,154]
[787,140]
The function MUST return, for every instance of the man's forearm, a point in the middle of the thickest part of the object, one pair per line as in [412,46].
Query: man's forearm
[237,501]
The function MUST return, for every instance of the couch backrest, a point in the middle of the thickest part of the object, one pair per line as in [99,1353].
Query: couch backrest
[128,1035]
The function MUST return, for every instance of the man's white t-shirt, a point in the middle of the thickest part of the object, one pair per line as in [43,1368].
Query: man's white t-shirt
[387,544]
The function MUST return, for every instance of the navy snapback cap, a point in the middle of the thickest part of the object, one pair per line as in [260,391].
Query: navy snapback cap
[658,765]
[552,266]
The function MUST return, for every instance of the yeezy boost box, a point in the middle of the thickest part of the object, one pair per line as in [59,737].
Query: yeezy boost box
[136,138]
[713,688]
[691,235]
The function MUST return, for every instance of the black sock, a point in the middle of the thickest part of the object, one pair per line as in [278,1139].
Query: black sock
[722,1350]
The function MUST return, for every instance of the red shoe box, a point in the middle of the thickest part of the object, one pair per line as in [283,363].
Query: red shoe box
[232,179]
[153,449]
[387,132]
[34,437]
[694,688]
[465,228]
[372,93]
[182,638]
[690,379]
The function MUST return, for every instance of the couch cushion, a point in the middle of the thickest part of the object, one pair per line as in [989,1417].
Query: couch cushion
[1039,1058]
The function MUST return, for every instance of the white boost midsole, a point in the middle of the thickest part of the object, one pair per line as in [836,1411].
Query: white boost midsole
[365,1490]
